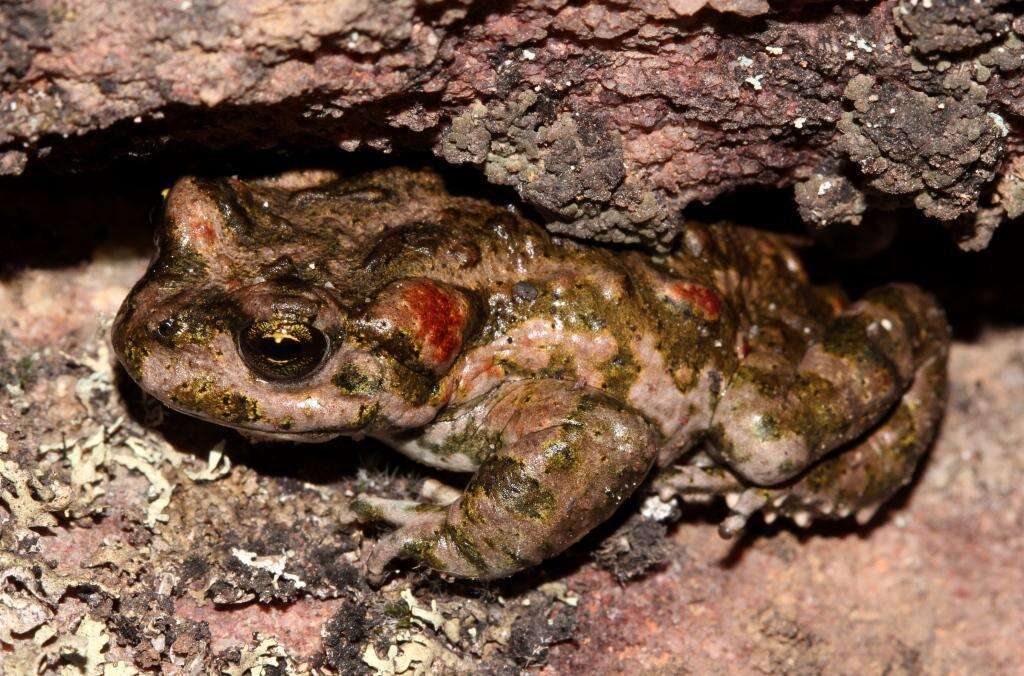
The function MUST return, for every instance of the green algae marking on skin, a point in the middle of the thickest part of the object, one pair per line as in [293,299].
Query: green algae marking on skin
[813,412]
[196,327]
[562,455]
[900,456]
[427,508]
[367,416]
[832,480]
[620,372]
[817,412]
[202,396]
[135,354]
[351,381]
[560,366]
[513,557]
[198,323]
[767,428]
[366,511]
[824,475]
[180,265]
[847,338]
[687,342]
[578,306]
[881,477]
[423,550]
[909,441]
[403,376]
[399,345]
[587,403]
[469,508]
[504,480]
[513,368]
[769,384]
[414,387]
[586,308]
[787,466]
[466,547]
[723,444]
[473,442]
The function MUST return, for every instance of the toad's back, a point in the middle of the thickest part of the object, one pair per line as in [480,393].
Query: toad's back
[661,336]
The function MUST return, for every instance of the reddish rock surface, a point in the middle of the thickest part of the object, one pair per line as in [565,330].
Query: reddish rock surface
[608,116]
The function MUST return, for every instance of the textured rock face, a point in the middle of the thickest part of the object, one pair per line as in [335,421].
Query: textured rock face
[608,116]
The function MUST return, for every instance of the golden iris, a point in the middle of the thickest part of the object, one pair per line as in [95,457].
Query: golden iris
[279,349]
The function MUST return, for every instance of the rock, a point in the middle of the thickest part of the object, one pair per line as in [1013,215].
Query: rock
[829,199]
[608,117]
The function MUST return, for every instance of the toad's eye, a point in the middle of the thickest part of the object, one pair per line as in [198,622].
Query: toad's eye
[282,349]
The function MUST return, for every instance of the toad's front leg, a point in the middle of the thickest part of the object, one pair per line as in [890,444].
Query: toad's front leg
[555,460]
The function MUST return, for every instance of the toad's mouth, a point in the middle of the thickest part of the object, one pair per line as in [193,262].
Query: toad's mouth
[257,432]
[262,436]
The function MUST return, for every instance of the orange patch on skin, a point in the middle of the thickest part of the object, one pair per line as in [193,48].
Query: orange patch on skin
[705,300]
[440,319]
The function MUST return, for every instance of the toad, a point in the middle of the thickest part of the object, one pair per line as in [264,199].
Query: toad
[558,375]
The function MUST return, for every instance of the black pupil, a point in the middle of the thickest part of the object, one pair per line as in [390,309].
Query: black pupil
[281,348]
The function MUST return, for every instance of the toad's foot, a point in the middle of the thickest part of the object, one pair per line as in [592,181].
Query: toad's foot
[416,523]
[694,483]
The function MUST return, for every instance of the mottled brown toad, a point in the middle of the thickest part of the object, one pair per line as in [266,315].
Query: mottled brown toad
[308,306]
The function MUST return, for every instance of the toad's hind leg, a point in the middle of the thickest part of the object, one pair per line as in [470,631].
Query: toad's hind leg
[775,420]
[856,478]
[859,479]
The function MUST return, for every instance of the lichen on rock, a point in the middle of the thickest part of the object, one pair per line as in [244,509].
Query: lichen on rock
[950,26]
[938,150]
